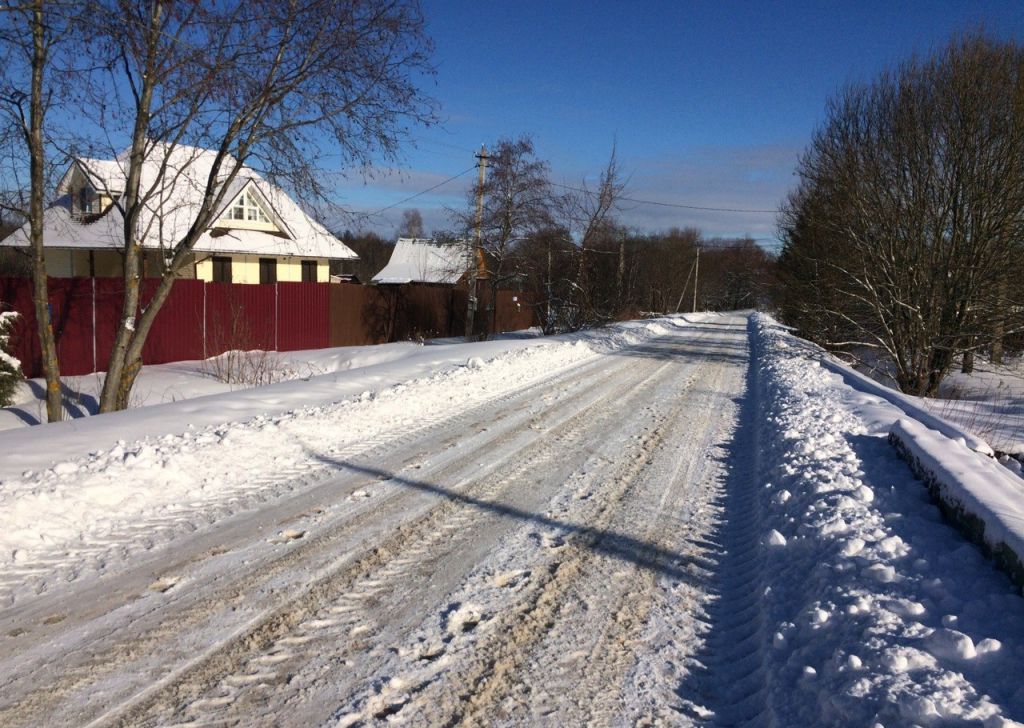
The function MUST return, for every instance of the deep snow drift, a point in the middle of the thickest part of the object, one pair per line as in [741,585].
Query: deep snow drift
[878,611]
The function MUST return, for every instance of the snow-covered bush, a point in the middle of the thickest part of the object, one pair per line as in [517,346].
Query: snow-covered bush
[10,368]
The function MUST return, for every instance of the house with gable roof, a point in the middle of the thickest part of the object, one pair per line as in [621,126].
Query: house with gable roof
[260,234]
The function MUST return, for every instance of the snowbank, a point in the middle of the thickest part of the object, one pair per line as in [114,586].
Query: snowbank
[907,404]
[982,498]
[876,611]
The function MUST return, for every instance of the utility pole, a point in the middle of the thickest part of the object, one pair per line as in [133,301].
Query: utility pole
[696,277]
[476,256]
[547,291]
[682,293]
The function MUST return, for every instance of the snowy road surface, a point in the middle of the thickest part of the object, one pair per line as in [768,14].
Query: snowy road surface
[537,558]
[686,521]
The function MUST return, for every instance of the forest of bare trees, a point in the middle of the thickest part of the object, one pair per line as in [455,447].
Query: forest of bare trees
[902,241]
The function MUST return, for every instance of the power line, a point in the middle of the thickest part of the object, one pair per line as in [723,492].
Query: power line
[423,192]
[665,204]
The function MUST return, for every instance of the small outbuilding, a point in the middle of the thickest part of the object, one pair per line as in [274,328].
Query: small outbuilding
[420,260]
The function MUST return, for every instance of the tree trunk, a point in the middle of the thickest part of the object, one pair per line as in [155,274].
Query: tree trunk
[40,289]
[967,365]
[620,276]
[119,374]
[999,321]
[493,310]
[548,324]
[123,365]
[131,357]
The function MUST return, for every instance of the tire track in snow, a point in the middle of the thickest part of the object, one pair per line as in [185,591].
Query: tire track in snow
[574,675]
[491,678]
[164,627]
[226,659]
[479,678]
[628,655]
[738,638]
[360,610]
[97,549]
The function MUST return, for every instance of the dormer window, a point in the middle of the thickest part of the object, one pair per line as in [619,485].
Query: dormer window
[88,202]
[248,211]
[247,208]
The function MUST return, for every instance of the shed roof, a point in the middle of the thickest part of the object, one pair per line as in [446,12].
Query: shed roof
[417,260]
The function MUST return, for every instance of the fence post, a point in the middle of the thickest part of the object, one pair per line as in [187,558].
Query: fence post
[95,362]
[205,356]
[277,317]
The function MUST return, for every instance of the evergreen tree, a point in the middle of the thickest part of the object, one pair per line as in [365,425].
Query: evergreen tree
[10,368]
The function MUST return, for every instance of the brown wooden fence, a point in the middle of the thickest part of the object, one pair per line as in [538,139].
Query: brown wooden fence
[200,319]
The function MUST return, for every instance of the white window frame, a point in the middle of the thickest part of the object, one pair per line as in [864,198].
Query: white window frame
[247,212]
[246,208]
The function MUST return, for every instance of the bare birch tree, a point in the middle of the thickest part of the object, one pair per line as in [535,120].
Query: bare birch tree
[517,204]
[590,215]
[411,225]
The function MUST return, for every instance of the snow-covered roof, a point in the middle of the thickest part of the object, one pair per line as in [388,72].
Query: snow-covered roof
[416,260]
[106,175]
[176,196]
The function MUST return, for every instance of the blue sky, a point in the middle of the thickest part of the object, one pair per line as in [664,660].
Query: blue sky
[709,103]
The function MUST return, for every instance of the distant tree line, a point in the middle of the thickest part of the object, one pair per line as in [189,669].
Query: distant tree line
[584,267]
[902,244]
[569,249]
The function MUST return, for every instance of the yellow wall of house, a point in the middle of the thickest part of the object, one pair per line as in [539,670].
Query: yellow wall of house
[80,263]
[204,269]
[246,269]
[105,263]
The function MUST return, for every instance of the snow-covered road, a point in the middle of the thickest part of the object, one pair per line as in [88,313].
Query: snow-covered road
[685,521]
[536,557]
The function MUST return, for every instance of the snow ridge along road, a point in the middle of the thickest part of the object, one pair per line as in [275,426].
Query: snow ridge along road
[542,554]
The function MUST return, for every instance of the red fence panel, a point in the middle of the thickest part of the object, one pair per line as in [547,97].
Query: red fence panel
[177,333]
[71,314]
[71,310]
[303,311]
[109,304]
[200,320]
[239,316]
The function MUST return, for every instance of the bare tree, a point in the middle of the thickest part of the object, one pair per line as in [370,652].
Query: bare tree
[29,34]
[262,84]
[909,209]
[411,225]
[517,203]
[590,215]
